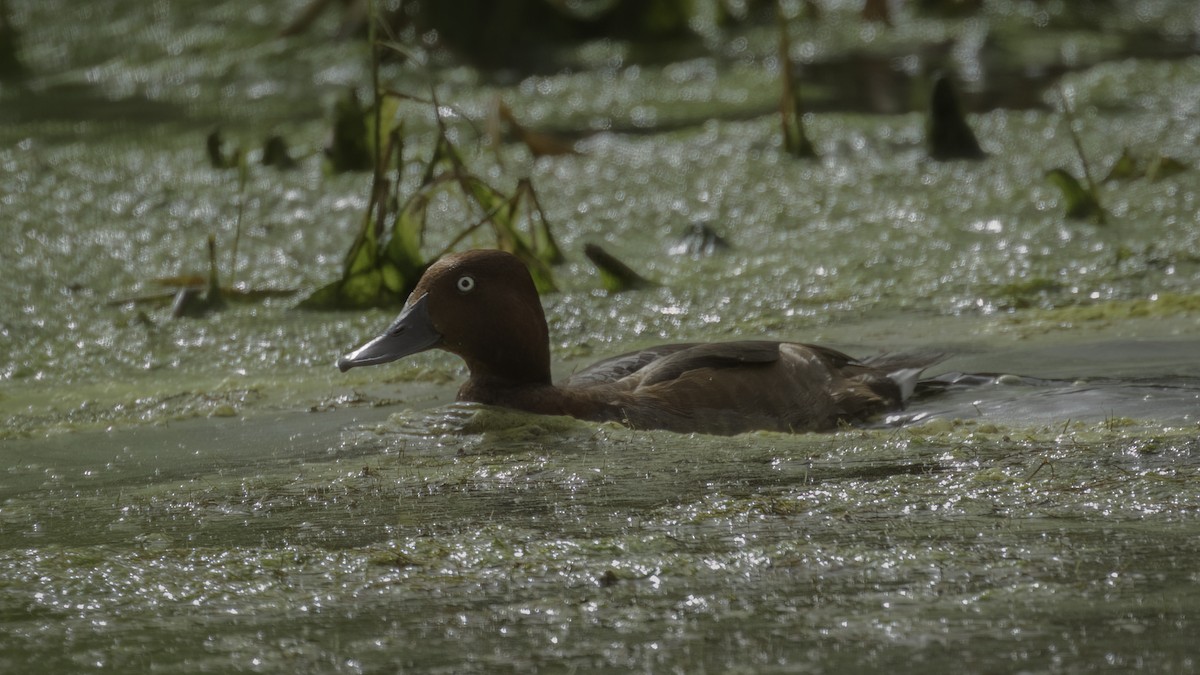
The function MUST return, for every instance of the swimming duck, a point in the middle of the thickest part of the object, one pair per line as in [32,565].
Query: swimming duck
[482,306]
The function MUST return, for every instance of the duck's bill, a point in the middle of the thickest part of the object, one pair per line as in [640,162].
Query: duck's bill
[410,333]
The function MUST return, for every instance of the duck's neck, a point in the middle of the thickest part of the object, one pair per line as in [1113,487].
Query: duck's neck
[536,397]
[507,364]
[543,398]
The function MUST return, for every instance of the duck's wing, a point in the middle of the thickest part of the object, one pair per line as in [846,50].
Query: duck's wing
[622,365]
[712,355]
[667,362]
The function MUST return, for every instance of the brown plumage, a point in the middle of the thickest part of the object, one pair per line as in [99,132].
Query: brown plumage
[483,306]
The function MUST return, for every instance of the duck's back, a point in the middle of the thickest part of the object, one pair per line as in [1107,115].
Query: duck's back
[732,387]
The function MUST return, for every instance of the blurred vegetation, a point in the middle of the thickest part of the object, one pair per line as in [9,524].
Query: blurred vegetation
[387,258]
[523,34]
[385,261]
[1080,202]
[1130,167]
[11,68]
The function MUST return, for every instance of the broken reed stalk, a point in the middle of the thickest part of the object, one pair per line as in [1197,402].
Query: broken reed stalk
[243,178]
[791,106]
[615,276]
[214,299]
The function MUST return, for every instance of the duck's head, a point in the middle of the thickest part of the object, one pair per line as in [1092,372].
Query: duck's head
[481,305]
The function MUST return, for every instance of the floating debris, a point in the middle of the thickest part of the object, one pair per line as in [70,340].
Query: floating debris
[194,295]
[275,153]
[540,143]
[349,148]
[699,238]
[190,303]
[217,158]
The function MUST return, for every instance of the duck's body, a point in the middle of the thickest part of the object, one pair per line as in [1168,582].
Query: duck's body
[482,305]
[716,388]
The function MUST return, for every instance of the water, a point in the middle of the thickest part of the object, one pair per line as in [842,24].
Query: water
[212,495]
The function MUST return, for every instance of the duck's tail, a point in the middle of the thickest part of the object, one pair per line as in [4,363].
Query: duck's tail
[905,368]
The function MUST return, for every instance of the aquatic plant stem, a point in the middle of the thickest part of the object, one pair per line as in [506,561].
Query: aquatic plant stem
[791,105]
[243,176]
[377,168]
[1069,114]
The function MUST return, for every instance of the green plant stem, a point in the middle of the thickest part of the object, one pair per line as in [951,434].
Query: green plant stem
[1069,113]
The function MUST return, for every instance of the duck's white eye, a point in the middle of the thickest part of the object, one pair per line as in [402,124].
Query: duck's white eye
[466,283]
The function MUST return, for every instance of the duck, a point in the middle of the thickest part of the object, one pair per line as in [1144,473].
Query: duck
[482,306]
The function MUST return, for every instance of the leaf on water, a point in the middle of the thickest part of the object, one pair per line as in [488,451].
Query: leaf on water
[949,135]
[324,298]
[615,276]
[363,289]
[275,153]
[370,278]
[1081,204]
